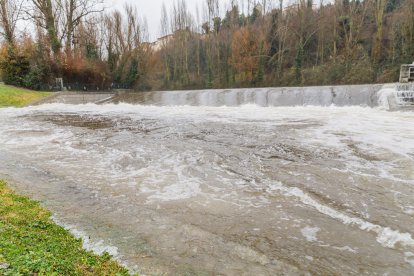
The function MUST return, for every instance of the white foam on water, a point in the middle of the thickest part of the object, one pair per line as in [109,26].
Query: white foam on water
[96,246]
[309,258]
[359,125]
[409,258]
[385,97]
[371,130]
[346,248]
[409,210]
[161,173]
[386,236]
[310,233]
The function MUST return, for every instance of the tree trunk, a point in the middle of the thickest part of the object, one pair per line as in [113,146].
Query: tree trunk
[5,23]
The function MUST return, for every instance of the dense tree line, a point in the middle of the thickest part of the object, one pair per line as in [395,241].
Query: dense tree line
[252,43]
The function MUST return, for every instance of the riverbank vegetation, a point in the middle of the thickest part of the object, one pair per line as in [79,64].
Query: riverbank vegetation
[31,244]
[247,44]
[18,97]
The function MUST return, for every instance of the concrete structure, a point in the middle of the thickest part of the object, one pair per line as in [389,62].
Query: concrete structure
[161,42]
[341,95]
[389,96]
[76,98]
[405,88]
[407,73]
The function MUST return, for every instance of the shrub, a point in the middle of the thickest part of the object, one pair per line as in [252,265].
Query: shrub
[35,78]
[14,67]
[390,74]
[361,72]
[336,72]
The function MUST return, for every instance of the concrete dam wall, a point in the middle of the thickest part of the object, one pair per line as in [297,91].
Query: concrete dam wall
[76,98]
[345,95]
[363,95]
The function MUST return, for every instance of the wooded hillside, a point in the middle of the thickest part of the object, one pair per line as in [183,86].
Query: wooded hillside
[270,44]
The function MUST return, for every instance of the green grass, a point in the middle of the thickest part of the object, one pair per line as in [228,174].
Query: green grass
[18,97]
[31,244]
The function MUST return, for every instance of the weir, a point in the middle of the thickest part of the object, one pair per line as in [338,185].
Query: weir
[346,95]
[405,98]
[405,88]
[388,96]
[76,98]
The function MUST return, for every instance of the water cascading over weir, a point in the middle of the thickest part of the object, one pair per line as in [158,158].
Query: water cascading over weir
[350,95]
[367,95]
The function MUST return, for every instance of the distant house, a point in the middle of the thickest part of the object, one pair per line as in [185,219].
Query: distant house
[164,40]
[295,7]
[161,42]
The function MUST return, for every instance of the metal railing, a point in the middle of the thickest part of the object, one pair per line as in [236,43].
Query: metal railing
[94,88]
[84,87]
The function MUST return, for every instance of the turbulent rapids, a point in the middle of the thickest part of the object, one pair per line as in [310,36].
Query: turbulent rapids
[198,184]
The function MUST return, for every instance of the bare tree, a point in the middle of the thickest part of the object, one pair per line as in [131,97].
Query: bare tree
[379,20]
[181,25]
[74,11]
[60,18]
[46,15]
[10,13]
[164,42]
[352,29]
[125,38]
[213,9]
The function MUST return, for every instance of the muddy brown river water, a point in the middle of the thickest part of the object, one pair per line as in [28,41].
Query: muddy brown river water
[248,190]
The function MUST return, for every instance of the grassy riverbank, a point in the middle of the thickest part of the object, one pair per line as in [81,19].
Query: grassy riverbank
[18,97]
[31,244]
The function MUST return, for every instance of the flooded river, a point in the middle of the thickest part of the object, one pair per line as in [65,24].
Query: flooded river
[244,190]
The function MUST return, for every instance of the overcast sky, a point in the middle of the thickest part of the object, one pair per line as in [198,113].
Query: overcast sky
[151,10]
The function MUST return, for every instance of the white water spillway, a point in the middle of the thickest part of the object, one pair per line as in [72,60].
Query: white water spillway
[226,183]
[347,95]
[382,95]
